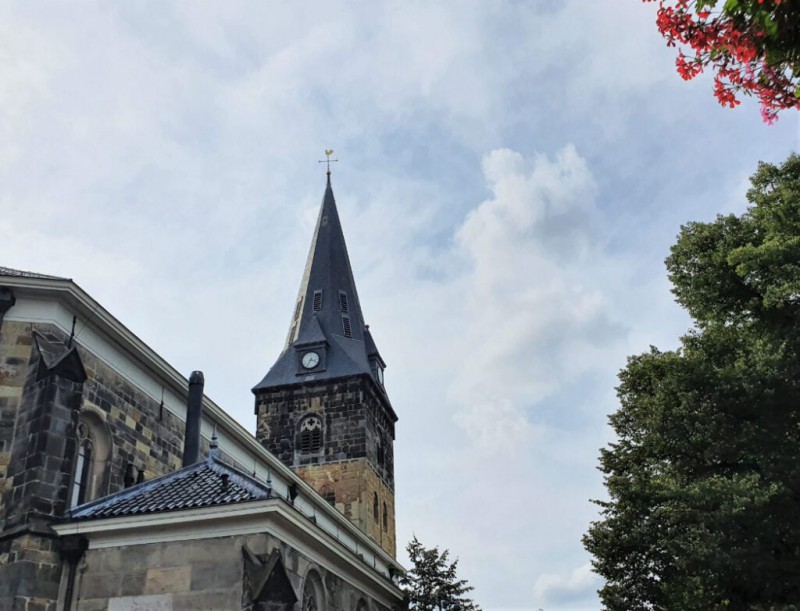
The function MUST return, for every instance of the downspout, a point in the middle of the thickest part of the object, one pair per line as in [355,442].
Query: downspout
[72,549]
[194,417]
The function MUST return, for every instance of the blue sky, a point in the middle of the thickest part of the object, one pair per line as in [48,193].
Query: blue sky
[511,177]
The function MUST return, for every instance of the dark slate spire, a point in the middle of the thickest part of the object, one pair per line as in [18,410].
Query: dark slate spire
[327,318]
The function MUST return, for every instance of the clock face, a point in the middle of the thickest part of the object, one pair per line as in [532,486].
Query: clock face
[310,360]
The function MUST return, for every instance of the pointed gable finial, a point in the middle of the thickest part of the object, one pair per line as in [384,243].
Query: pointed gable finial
[328,160]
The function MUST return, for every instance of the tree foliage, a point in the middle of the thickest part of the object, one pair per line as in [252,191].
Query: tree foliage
[432,583]
[704,478]
[752,45]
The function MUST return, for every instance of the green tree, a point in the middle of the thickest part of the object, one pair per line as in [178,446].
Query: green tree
[704,477]
[432,584]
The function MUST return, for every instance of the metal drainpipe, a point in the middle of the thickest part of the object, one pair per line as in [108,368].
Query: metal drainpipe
[72,549]
[194,417]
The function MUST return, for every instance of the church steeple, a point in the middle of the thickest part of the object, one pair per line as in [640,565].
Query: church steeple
[322,408]
[327,336]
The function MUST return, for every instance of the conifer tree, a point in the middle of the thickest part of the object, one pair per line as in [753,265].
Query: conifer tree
[432,583]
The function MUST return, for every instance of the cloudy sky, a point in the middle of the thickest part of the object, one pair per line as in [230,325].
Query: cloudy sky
[511,177]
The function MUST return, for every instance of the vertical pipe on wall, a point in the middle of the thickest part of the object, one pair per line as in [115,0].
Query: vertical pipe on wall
[194,416]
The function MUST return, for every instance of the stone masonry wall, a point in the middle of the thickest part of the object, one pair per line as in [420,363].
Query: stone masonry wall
[353,412]
[202,574]
[142,431]
[138,432]
[356,485]
[30,572]
[356,461]
[15,351]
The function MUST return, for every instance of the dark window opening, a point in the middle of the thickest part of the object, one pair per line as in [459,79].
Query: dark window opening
[310,435]
[343,301]
[380,450]
[385,519]
[348,332]
[375,510]
[317,301]
[83,463]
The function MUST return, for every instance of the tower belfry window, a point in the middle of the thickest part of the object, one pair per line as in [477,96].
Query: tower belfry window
[348,331]
[311,435]
[317,301]
[343,306]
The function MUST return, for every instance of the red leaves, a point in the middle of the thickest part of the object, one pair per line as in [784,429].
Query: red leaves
[736,51]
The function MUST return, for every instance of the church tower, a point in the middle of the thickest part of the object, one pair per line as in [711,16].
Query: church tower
[322,408]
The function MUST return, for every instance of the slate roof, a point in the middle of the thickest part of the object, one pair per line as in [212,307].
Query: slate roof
[200,485]
[327,270]
[17,273]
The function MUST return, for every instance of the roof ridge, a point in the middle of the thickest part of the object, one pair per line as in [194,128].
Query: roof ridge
[18,273]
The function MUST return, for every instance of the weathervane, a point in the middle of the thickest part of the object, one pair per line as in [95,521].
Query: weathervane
[328,160]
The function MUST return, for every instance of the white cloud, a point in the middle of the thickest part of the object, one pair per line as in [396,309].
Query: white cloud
[532,316]
[570,590]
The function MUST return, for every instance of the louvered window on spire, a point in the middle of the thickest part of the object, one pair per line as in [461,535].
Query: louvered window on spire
[310,435]
[317,301]
[348,332]
[343,301]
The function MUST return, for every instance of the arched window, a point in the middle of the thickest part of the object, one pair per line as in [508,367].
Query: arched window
[385,519]
[310,435]
[362,606]
[313,595]
[83,466]
[310,600]
[375,510]
[93,446]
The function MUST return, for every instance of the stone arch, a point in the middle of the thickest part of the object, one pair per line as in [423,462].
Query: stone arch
[362,605]
[92,457]
[313,593]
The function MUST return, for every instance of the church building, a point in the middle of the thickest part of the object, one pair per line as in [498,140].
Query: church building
[122,486]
